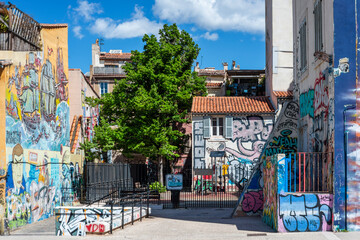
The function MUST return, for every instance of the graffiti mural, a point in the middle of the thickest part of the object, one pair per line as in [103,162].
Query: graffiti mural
[250,135]
[253,201]
[80,221]
[33,185]
[199,145]
[37,129]
[36,116]
[307,103]
[305,212]
[283,139]
[270,193]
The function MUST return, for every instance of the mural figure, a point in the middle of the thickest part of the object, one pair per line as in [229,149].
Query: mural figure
[250,135]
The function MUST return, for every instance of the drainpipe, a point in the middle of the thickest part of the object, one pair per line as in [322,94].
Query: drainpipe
[346,132]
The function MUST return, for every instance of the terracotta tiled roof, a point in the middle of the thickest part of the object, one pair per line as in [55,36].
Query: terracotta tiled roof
[232,105]
[214,85]
[115,56]
[283,94]
[210,72]
[56,25]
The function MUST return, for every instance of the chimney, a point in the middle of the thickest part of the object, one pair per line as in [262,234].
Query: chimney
[97,41]
[238,67]
[225,64]
[233,65]
[196,69]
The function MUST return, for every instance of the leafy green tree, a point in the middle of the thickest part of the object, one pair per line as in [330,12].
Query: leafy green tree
[144,111]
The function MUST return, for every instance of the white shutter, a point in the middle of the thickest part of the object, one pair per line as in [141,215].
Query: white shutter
[229,127]
[207,127]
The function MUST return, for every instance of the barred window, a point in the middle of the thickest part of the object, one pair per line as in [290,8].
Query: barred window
[318,26]
[303,55]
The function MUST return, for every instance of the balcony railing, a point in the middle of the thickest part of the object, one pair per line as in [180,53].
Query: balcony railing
[109,71]
[306,172]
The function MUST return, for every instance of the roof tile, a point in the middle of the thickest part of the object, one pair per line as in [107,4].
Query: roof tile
[242,104]
[283,94]
[115,56]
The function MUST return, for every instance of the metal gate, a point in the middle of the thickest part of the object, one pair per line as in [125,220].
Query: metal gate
[217,187]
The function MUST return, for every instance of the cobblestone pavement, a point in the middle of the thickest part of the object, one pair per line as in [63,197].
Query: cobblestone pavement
[186,224]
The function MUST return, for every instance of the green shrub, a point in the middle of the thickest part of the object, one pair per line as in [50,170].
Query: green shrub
[157,186]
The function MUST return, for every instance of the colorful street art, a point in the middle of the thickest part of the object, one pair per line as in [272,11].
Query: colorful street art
[199,144]
[307,103]
[33,185]
[270,193]
[283,139]
[37,159]
[305,212]
[317,103]
[73,221]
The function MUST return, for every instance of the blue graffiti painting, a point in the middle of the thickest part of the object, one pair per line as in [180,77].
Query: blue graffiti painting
[303,213]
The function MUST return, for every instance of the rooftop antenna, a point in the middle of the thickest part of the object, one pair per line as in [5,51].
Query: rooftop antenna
[101,42]
[201,61]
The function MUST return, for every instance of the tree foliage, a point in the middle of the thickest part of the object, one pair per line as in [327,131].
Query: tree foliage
[143,112]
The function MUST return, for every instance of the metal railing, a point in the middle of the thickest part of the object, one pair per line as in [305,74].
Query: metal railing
[306,172]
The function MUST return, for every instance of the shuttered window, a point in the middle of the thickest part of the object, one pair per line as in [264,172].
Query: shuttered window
[229,127]
[207,127]
[303,55]
[318,26]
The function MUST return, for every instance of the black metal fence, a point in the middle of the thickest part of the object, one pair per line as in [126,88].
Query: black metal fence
[217,187]
[103,179]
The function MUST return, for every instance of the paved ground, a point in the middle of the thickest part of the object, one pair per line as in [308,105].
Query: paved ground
[186,224]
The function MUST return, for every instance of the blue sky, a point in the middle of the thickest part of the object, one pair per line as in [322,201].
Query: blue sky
[225,30]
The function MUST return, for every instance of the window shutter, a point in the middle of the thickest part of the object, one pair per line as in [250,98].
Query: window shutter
[229,127]
[207,127]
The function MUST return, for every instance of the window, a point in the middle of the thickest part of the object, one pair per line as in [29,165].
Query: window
[217,126]
[318,26]
[103,88]
[303,55]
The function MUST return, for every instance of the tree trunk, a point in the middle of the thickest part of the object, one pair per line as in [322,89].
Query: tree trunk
[161,170]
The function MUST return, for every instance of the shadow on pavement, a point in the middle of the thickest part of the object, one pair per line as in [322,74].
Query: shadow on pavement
[214,215]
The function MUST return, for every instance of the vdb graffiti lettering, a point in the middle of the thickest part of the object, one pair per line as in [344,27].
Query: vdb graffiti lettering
[304,213]
[307,103]
[95,227]
[253,201]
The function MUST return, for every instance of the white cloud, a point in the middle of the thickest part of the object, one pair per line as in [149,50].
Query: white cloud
[137,26]
[86,10]
[210,36]
[77,32]
[211,15]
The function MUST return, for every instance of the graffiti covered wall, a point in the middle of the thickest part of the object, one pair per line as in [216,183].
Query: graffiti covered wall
[306,212]
[316,110]
[37,161]
[249,135]
[76,221]
[270,192]
[282,139]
